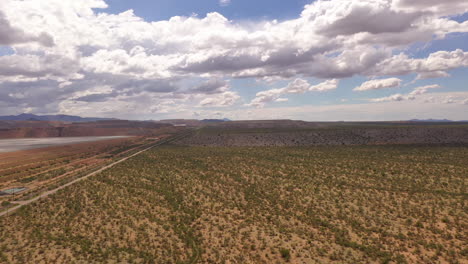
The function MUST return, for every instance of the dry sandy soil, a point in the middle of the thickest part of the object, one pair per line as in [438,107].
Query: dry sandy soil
[176,204]
[40,169]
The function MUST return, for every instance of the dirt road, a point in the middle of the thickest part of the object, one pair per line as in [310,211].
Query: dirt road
[45,194]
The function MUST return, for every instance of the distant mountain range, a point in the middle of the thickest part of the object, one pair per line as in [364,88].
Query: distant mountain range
[216,120]
[436,120]
[60,118]
[70,118]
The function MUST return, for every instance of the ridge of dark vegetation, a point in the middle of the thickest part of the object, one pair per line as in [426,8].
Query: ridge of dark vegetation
[311,134]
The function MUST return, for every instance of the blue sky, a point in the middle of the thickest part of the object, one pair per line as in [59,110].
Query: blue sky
[340,60]
[237,9]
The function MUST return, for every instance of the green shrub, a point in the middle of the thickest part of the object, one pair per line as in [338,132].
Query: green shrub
[285,254]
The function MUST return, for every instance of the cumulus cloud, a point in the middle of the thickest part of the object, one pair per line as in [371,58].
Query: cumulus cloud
[75,46]
[436,64]
[433,74]
[395,97]
[325,86]
[351,17]
[378,84]
[39,67]
[221,100]
[10,35]
[449,100]
[404,97]
[424,89]
[211,86]
[295,87]
[446,7]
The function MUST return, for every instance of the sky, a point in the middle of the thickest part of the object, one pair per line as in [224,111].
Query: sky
[324,60]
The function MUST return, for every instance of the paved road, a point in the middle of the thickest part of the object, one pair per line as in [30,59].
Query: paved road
[45,194]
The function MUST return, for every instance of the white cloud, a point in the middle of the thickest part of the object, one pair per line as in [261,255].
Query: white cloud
[295,87]
[447,7]
[434,65]
[221,100]
[378,84]
[211,86]
[404,97]
[224,2]
[10,35]
[351,17]
[395,97]
[325,86]
[430,75]
[215,44]
[424,89]
[449,100]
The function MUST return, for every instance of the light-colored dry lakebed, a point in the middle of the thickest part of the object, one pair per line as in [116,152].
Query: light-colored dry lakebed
[10,145]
